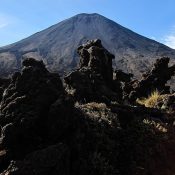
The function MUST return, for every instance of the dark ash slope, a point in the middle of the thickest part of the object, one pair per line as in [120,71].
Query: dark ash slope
[57,45]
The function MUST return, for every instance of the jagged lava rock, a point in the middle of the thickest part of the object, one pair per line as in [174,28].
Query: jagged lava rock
[93,80]
[3,84]
[45,132]
[41,162]
[25,106]
[156,79]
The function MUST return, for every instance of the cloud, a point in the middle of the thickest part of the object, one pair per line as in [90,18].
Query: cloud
[7,20]
[169,39]
[4,21]
[2,25]
[153,37]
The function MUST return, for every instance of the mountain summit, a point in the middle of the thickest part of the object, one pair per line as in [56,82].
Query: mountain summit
[56,45]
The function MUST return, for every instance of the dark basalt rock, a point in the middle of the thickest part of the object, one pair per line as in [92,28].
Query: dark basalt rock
[46,130]
[93,80]
[122,76]
[3,84]
[25,106]
[155,79]
[121,82]
[97,58]
[169,102]
[53,159]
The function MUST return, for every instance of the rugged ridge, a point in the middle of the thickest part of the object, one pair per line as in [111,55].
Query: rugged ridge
[56,46]
[93,80]
[47,128]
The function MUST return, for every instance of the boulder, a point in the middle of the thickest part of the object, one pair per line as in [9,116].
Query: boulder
[52,160]
[25,106]
[156,79]
[3,84]
[93,80]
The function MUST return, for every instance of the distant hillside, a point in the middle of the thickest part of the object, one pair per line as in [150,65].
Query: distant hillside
[57,45]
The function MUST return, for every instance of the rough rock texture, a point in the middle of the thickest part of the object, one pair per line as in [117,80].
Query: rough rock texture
[122,76]
[25,106]
[97,58]
[44,131]
[169,102]
[3,84]
[156,79]
[93,81]
[53,159]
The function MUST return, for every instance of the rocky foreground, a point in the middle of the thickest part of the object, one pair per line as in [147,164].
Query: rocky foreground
[89,123]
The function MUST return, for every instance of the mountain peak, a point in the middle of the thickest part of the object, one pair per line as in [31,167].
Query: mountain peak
[57,45]
[88,14]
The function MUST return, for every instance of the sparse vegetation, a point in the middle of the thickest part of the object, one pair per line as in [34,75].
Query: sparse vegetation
[152,100]
[95,106]
[157,125]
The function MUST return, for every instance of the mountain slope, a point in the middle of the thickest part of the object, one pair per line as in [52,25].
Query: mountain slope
[57,45]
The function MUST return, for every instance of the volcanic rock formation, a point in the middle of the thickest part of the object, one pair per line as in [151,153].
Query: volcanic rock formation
[93,81]
[49,130]
[25,106]
[156,79]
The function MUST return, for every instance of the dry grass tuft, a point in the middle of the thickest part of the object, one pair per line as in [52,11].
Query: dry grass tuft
[152,100]
[95,106]
[157,125]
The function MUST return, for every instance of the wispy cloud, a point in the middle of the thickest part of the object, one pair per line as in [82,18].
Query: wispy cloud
[7,20]
[4,21]
[9,30]
[153,37]
[169,39]
[2,25]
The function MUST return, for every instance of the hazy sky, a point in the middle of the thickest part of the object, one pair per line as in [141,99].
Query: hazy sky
[152,18]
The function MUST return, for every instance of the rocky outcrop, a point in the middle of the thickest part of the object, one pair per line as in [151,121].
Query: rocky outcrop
[94,56]
[3,84]
[53,159]
[156,79]
[121,76]
[25,106]
[83,127]
[93,80]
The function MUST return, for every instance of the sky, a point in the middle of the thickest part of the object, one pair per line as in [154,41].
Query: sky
[154,19]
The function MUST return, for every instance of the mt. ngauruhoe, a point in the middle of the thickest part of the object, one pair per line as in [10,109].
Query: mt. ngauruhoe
[57,45]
